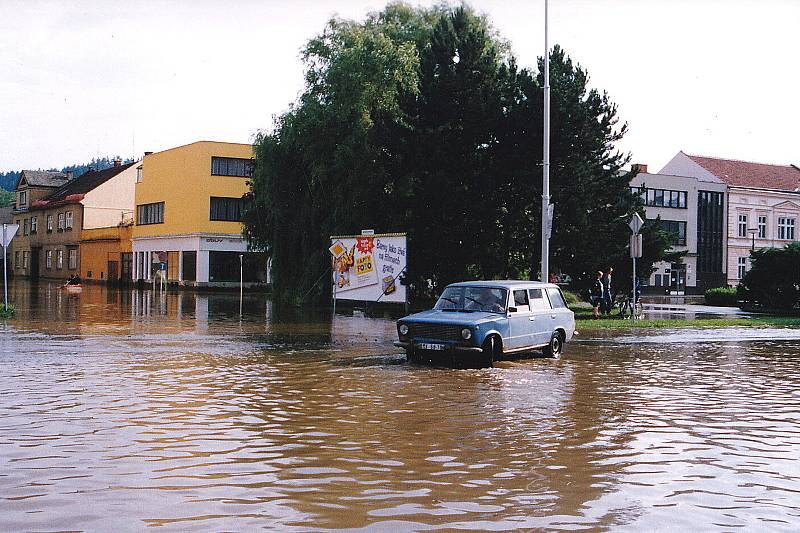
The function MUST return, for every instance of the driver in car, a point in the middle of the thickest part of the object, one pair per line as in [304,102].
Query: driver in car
[487,301]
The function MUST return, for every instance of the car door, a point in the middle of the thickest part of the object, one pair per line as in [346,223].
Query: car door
[540,316]
[519,321]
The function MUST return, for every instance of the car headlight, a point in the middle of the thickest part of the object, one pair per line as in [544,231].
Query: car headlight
[466,334]
[403,329]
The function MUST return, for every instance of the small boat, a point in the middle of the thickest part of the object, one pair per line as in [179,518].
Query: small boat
[73,289]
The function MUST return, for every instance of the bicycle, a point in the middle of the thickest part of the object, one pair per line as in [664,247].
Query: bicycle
[626,308]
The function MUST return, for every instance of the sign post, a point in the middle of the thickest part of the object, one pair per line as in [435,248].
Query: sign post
[9,230]
[635,224]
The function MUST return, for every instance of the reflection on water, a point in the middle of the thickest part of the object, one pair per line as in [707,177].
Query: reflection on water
[121,410]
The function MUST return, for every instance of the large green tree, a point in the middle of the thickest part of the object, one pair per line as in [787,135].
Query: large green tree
[420,120]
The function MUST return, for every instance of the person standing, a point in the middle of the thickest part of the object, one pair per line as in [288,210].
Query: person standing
[608,297]
[596,295]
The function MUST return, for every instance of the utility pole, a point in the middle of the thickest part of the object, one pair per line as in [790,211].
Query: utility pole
[546,210]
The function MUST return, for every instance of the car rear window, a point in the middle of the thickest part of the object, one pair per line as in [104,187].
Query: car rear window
[538,300]
[556,299]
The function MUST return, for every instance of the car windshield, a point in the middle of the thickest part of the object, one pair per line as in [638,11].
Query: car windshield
[491,299]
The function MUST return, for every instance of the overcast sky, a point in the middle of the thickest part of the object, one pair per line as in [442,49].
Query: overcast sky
[82,78]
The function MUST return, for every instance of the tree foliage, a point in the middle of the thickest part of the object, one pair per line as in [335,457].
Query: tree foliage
[420,120]
[774,277]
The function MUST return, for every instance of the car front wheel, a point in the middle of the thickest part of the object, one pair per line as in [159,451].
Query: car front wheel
[553,349]
[491,351]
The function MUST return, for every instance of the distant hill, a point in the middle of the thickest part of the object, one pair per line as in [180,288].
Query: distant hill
[8,180]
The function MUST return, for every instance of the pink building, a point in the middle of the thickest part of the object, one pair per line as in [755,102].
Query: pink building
[763,204]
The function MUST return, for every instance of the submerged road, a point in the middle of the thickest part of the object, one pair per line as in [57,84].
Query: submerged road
[122,410]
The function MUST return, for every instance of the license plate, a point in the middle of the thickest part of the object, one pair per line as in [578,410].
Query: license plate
[428,346]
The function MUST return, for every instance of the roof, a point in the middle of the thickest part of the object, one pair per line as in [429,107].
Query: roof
[749,174]
[86,182]
[41,178]
[501,283]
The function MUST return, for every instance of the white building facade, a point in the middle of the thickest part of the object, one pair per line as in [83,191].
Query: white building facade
[692,210]
[761,206]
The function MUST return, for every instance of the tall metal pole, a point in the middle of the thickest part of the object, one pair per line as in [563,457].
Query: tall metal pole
[241,282]
[546,158]
[5,276]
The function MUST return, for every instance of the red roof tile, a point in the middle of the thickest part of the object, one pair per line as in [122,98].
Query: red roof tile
[748,174]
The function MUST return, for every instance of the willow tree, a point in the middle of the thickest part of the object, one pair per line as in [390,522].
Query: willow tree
[420,120]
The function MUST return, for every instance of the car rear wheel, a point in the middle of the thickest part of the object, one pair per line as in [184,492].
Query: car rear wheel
[556,345]
[492,349]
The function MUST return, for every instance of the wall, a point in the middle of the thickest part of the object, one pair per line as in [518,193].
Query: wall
[755,202]
[181,178]
[112,202]
[101,245]
[54,240]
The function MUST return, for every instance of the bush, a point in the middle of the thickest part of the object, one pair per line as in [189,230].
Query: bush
[774,279]
[721,296]
[7,312]
[570,297]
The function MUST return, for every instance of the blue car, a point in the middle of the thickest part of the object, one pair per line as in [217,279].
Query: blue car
[479,322]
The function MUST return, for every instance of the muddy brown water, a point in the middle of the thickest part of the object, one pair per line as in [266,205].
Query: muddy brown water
[124,410]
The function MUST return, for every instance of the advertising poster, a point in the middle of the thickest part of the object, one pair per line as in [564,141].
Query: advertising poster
[369,267]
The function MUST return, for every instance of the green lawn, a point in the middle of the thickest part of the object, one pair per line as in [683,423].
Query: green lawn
[584,323]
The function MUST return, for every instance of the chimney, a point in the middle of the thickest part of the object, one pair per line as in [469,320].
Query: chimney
[148,153]
[636,168]
[117,162]
[70,175]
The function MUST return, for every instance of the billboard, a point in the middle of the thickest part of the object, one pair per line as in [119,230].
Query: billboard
[369,267]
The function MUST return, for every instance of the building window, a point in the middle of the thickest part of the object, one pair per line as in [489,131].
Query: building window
[49,223]
[742,231]
[742,266]
[661,197]
[23,198]
[229,209]
[25,226]
[49,259]
[762,227]
[710,220]
[138,174]
[25,259]
[786,228]
[150,213]
[61,222]
[16,259]
[677,229]
[60,259]
[72,258]
[231,166]
[34,225]
[68,219]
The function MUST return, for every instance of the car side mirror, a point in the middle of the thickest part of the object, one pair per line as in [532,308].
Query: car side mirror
[512,309]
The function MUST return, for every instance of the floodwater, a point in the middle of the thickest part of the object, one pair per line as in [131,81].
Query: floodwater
[121,411]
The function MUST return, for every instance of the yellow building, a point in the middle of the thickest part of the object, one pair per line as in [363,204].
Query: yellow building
[106,254]
[189,202]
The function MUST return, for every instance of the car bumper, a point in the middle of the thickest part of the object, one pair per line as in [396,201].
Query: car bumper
[456,348]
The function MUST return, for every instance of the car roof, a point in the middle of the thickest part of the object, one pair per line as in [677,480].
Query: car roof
[505,283]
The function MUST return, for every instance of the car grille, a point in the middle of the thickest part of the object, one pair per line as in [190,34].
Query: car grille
[435,332]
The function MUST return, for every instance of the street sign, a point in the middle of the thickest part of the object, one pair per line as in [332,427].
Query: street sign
[9,230]
[636,223]
[636,245]
[337,249]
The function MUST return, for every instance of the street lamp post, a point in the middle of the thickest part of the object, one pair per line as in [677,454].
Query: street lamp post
[546,213]
[753,232]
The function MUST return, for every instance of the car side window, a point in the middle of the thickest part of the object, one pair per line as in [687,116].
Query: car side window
[556,299]
[521,300]
[538,300]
